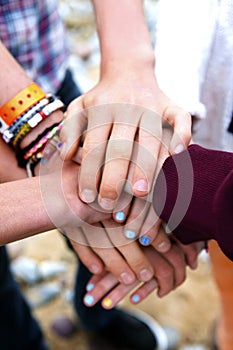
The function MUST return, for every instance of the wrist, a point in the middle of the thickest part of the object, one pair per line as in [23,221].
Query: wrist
[138,60]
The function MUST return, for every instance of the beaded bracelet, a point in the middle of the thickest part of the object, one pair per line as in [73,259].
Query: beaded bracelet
[36,119]
[10,132]
[43,156]
[21,152]
[43,141]
[20,103]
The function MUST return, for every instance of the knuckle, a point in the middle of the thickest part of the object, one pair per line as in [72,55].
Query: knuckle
[119,149]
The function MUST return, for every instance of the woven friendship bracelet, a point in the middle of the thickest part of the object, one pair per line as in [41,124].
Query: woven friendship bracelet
[23,131]
[42,142]
[20,103]
[34,120]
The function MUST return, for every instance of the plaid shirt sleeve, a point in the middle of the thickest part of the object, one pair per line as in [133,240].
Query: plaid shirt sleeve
[35,35]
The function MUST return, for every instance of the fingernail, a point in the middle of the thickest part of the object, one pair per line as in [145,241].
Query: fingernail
[120,216]
[126,278]
[193,265]
[145,240]
[94,268]
[164,246]
[135,298]
[59,145]
[43,160]
[178,149]
[89,287]
[145,275]
[88,196]
[106,203]
[107,302]
[141,186]
[130,234]
[88,299]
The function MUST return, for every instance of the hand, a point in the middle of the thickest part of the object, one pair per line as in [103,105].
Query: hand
[126,103]
[138,215]
[140,221]
[170,272]
[125,259]
[58,184]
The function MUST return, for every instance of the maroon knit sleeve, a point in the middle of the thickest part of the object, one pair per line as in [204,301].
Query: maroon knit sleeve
[190,194]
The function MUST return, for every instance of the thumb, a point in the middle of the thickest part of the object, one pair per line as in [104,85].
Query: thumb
[72,130]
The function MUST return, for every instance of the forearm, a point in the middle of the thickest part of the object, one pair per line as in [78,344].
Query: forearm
[9,170]
[13,79]
[123,32]
[21,216]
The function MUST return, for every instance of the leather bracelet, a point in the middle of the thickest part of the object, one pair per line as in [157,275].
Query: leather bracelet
[20,103]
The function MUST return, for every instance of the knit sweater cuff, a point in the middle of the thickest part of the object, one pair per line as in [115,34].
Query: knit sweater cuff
[185,194]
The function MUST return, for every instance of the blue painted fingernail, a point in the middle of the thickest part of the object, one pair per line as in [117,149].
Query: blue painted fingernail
[43,160]
[120,216]
[90,286]
[88,299]
[135,298]
[130,234]
[145,240]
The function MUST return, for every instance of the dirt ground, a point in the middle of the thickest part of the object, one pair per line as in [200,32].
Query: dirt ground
[191,309]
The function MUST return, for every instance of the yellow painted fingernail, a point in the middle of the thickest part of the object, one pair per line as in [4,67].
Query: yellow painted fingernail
[107,302]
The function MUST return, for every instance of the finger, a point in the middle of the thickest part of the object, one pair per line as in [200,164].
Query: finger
[117,295]
[122,208]
[150,229]
[118,155]
[73,128]
[95,278]
[131,251]
[163,271]
[84,252]
[111,257]
[136,216]
[149,142]
[162,242]
[191,252]
[119,152]
[181,122]
[100,288]
[143,291]
[125,203]
[93,154]
[176,258]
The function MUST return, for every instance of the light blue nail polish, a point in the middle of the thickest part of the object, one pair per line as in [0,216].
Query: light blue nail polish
[120,216]
[135,298]
[145,240]
[43,160]
[90,286]
[130,234]
[88,299]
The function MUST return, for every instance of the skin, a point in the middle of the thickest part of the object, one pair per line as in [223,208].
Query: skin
[126,102]
[169,273]
[50,184]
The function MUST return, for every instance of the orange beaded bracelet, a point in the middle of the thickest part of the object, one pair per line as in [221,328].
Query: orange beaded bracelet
[20,103]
